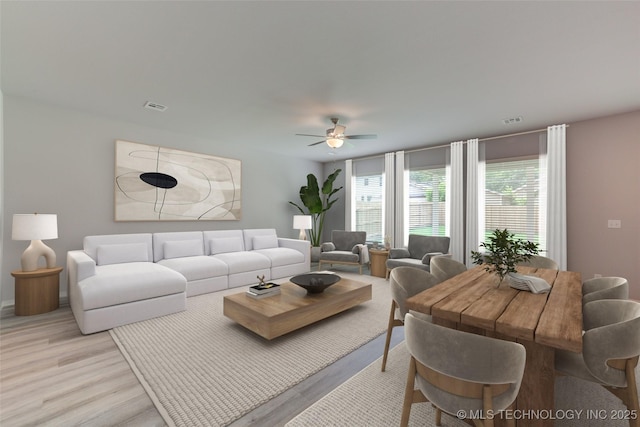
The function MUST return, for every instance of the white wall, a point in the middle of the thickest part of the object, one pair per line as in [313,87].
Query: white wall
[62,161]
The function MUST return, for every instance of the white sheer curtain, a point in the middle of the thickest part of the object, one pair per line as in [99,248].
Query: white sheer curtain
[349,217]
[388,212]
[397,239]
[556,195]
[455,199]
[475,199]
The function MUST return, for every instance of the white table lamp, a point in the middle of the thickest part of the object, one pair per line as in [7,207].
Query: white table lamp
[302,223]
[35,227]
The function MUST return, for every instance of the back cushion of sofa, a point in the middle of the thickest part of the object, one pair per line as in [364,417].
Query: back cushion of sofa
[160,239]
[265,242]
[121,253]
[225,244]
[91,243]
[251,233]
[183,248]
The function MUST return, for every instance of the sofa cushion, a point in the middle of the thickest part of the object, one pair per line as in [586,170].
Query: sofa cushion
[244,261]
[225,245]
[123,283]
[197,267]
[265,242]
[282,256]
[183,248]
[340,256]
[121,253]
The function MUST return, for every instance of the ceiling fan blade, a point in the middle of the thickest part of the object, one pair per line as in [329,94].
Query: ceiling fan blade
[306,134]
[316,143]
[360,136]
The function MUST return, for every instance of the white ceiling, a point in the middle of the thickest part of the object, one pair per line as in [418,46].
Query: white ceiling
[257,73]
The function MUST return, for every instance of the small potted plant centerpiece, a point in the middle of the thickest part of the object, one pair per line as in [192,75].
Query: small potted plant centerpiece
[317,201]
[503,252]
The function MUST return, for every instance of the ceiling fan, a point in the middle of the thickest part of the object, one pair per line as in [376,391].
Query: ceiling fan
[335,136]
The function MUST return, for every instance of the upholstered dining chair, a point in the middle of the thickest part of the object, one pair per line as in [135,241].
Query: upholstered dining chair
[445,268]
[539,261]
[604,288]
[610,350]
[405,282]
[457,371]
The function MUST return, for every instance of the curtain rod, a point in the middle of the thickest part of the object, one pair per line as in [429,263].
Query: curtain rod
[481,139]
[464,142]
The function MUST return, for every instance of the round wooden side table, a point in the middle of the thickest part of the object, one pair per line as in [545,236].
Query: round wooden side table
[37,291]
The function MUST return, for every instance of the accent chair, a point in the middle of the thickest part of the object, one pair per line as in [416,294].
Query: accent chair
[418,253]
[345,247]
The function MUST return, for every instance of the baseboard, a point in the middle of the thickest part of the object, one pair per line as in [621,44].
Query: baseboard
[9,309]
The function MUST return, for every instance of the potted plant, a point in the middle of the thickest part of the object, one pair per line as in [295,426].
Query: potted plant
[503,252]
[317,202]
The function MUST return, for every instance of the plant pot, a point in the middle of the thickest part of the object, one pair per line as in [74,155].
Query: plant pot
[315,253]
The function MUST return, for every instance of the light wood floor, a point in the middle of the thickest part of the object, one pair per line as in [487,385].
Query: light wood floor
[52,375]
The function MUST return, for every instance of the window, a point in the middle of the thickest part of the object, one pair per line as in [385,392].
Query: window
[427,201]
[369,196]
[513,198]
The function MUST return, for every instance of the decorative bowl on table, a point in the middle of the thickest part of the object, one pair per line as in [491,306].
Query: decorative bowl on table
[315,283]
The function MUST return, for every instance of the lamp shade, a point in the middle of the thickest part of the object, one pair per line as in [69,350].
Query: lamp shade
[302,222]
[34,227]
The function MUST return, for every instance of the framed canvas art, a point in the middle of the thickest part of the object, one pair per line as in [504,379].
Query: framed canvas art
[162,184]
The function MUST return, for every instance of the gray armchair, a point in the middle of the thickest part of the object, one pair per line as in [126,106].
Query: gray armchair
[347,248]
[418,252]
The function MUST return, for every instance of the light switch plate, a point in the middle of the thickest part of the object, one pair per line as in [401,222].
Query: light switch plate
[615,223]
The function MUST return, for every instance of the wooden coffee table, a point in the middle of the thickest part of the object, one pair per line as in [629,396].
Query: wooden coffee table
[293,308]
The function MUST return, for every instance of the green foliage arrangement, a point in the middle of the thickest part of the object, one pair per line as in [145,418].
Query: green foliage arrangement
[317,201]
[504,252]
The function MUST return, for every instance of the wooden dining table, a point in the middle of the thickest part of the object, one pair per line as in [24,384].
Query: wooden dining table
[476,301]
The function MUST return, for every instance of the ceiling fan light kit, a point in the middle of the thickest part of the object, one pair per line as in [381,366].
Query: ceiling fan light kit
[334,142]
[335,136]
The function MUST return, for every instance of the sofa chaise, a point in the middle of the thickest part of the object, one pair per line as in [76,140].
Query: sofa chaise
[123,278]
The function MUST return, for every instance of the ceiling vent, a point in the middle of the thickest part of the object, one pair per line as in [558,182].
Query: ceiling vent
[512,120]
[155,106]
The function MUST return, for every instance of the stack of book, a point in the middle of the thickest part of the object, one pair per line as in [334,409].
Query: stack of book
[263,290]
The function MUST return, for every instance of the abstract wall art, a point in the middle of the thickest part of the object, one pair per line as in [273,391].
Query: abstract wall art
[162,184]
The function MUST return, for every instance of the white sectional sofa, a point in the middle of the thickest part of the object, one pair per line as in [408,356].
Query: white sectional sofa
[123,278]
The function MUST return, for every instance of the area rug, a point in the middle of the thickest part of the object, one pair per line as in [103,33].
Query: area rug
[201,368]
[374,398]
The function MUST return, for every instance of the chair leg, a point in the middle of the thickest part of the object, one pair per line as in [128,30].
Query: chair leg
[487,405]
[408,393]
[392,317]
[632,403]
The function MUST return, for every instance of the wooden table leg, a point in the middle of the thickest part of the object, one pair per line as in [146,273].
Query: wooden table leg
[536,392]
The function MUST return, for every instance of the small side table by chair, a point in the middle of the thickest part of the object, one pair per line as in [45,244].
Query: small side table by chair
[37,291]
[378,259]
